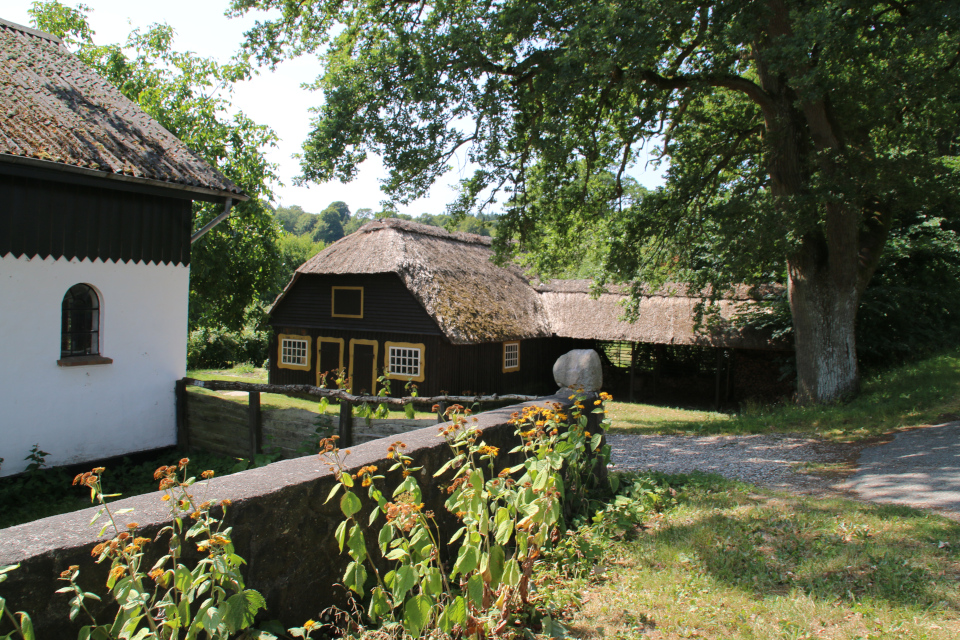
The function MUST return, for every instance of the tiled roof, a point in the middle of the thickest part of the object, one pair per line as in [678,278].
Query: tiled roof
[55,109]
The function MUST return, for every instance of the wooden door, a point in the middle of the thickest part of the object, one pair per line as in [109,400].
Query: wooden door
[363,367]
[329,361]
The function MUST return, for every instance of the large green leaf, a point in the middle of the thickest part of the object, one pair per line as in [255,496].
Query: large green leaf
[416,614]
[405,580]
[453,614]
[350,504]
[240,609]
[354,577]
[467,559]
[475,590]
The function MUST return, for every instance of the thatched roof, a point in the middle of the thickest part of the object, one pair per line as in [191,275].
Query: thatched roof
[473,300]
[666,316]
[61,115]
[470,298]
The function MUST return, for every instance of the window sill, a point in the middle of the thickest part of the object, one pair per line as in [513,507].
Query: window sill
[83,361]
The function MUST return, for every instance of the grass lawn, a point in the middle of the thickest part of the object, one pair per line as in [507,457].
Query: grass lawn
[246,373]
[920,393]
[732,561]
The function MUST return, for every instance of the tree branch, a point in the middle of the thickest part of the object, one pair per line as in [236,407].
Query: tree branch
[747,87]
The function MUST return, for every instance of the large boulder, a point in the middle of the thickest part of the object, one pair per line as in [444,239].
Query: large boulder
[579,368]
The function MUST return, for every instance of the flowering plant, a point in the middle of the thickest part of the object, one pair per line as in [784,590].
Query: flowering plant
[171,600]
[507,519]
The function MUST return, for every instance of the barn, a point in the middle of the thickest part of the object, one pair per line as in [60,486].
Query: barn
[95,233]
[421,304]
[415,303]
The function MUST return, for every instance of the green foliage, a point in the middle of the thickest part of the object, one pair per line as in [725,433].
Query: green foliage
[912,306]
[218,348]
[232,265]
[507,524]
[796,133]
[172,599]
[288,216]
[294,251]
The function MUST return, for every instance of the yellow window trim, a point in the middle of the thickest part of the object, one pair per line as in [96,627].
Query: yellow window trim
[333,301]
[402,345]
[376,349]
[503,360]
[289,336]
[320,341]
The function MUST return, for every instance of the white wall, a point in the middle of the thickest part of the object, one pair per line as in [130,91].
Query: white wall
[89,412]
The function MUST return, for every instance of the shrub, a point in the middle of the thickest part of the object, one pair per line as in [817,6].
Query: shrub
[216,348]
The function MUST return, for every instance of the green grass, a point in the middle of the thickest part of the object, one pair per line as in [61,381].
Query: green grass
[733,561]
[920,393]
[245,373]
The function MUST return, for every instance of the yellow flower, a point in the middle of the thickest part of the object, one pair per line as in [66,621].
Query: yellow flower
[165,497]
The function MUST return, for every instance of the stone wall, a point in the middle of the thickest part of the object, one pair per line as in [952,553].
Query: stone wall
[281,526]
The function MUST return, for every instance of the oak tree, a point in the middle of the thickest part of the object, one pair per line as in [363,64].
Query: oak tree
[795,130]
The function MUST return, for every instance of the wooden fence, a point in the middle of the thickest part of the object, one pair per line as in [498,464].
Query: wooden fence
[222,426]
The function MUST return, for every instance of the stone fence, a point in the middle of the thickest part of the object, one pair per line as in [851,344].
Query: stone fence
[281,527]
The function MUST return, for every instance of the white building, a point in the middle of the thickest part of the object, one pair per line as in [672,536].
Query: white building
[95,232]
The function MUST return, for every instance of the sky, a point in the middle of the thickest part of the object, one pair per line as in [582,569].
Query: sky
[274,98]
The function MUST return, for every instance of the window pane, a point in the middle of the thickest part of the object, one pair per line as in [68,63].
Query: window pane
[404,361]
[80,322]
[293,352]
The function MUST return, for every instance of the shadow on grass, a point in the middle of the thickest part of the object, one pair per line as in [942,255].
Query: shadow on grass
[832,550]
[920,393]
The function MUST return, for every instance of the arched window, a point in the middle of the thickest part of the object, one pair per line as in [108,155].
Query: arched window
[80,322]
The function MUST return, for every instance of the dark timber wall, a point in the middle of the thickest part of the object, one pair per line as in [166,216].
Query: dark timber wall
[392,314]
[387,305]
[41,218]
[456,369]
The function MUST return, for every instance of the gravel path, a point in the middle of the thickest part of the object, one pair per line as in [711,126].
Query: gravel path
[919,468]
[766,460]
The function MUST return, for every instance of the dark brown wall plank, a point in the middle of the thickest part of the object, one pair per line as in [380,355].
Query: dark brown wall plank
[41,218]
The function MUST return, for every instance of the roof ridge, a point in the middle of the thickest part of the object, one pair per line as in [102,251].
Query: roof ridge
[29,31]
[420,228]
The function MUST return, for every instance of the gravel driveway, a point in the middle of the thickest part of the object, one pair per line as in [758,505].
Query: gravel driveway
[766,460]
[918,468]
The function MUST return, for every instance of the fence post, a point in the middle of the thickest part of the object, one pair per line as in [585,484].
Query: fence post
[183,432]
[346,424]
[253,421]
[441,417]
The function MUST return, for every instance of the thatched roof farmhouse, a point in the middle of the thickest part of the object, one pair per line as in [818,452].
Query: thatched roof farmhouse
[439,291]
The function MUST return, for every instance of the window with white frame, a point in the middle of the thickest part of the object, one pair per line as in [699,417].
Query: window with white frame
[404,361]
[511,356]
[294,351]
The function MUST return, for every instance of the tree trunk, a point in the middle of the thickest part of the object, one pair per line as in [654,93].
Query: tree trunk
[824,312]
